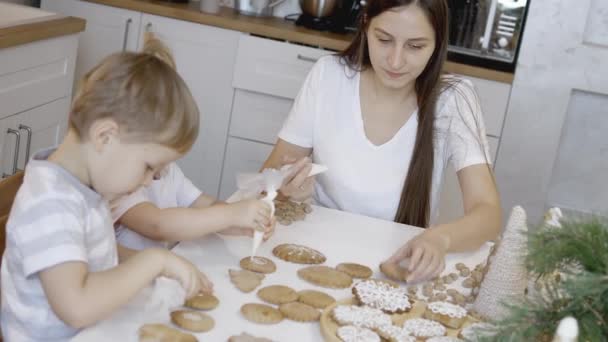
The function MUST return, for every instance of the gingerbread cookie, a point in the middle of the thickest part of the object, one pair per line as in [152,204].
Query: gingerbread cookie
[203,302]
[244,280]
[448,314]
[351,333]
[382,296]
[360,316]
[245,337]
[288,212]
[394,333]
[394,271]
[277,294]
[355,270]
[163,333]
[299,312]
[316,299]
[192,320]
[298,254]
[261,313]
[258,264]
[424,328]
[325,276]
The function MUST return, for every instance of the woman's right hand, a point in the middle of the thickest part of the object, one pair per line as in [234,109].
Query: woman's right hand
[297,185]
[187,274]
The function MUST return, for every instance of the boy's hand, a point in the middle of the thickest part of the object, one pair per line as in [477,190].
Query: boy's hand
[252,213]
[238,231]
[187,274]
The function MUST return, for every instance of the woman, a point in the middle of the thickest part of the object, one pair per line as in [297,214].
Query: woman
[386,122]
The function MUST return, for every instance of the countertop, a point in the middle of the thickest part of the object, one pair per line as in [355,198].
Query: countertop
[340,236]
[21,25]
[275,28]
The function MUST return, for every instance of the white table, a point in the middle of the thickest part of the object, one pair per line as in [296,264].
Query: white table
[342,237]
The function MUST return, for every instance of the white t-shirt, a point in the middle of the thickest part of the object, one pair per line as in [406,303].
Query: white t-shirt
[54,219]
[365,178]
[172,190]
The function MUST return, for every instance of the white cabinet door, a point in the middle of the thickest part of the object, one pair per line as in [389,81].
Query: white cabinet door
[450,200]
[38,128]
[205,59]
[242,156]
[108,30]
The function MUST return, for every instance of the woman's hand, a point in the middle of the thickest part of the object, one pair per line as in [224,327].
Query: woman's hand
[425,254]
[297,185]
[238,231]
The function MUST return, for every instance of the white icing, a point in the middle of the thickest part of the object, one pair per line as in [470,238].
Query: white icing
[395,334]
[477,330]
[192,316]
[448,309]
[258,260]
[421,327]
[444,339]
[383,296]
[302,251]
[361,316]
[351,333]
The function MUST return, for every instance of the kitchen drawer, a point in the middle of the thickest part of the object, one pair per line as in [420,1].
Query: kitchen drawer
[242,156]
[450,201]
[272,67]
[494,98]
[36,73]
[257,116]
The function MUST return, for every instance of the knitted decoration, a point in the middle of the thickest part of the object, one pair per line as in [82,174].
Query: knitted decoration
[506,279]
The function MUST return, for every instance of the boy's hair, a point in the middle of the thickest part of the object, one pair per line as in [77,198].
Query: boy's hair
[143,93]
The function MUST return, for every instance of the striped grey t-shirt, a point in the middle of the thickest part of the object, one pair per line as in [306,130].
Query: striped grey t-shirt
[55,219]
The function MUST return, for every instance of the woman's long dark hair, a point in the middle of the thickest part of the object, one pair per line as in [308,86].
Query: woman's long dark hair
[414,206]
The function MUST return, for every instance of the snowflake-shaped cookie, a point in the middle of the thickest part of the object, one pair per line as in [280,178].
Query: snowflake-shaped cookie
[447,309]
[351,333]
[424,328]
[382,296]
[395,334]
[361,316]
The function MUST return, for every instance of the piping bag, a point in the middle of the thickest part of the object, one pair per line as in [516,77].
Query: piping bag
[269,181]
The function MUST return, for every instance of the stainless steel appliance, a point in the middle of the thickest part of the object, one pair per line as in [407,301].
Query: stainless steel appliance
[258,8]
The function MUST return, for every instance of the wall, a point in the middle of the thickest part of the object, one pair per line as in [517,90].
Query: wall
[553,150]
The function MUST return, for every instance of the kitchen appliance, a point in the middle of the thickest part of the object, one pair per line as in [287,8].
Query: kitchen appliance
[342,18]
[177,1]
[486,33]
[258,8]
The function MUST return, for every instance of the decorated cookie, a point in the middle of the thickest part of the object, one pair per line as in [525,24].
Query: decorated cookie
[288,212]
[394,333]
[277,294]
[448,314]
[424,328]
[325,276]
[161,332]
[258,264]
[444,339]
[192,320]
[477,331]
[355,270]
[382,296]
[351,333]
[298,254]
[360,316]
[244,280]
[261,313]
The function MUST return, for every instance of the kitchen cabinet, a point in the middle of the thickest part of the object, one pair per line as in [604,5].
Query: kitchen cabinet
[205,58]
[108,30]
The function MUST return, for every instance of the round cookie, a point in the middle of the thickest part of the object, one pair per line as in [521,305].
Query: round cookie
[299,312]
[350,333]
[192,320]
[277,294]
[448,314]
[298,254]
[316,299]
[355,270]
[261,313]
[160,332]
[258,264]
[325,276]
[424,328]
[394,271]
[202,302]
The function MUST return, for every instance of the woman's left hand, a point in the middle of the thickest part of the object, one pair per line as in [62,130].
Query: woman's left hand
[426,253]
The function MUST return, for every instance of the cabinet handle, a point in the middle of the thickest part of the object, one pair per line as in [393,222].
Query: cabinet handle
[149,27]
[28,143]
[126,37]
[16,156]
[307,59]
